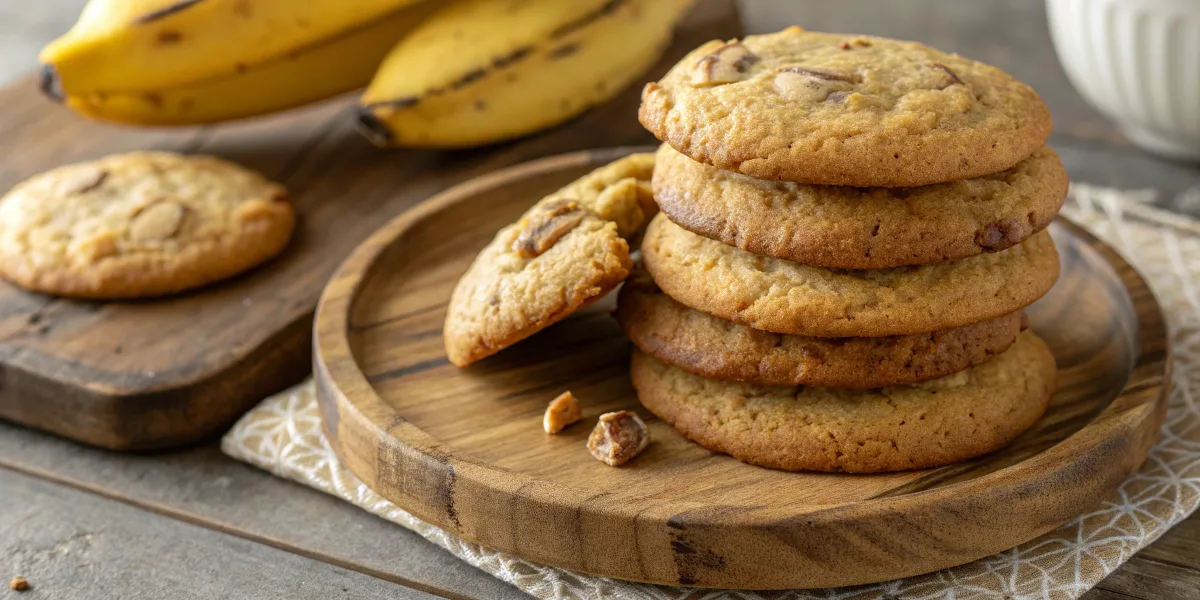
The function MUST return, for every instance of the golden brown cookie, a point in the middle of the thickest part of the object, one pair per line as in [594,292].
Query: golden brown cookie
[700,343]
[862,228]
[140,224]
[838,109]
[566,252]
[935,423]
[786,297]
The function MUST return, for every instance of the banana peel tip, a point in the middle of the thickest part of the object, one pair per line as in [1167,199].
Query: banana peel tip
[50,84]
[374,129]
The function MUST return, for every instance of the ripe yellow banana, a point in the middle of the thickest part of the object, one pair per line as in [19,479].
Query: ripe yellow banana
[481,71]
[147,45]
[338,65]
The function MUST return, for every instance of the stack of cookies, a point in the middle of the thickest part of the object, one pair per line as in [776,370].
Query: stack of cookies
[850,228]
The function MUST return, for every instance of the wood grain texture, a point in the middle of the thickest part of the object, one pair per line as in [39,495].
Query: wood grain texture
[462,448]
[203,487]
[1146,578]
[68,544]
[153,374]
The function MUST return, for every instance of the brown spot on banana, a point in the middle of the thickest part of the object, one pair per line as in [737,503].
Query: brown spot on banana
[468,78]
[168,36]
[242,9]
[165,11]
[606,9]
[563,51]
[512,57]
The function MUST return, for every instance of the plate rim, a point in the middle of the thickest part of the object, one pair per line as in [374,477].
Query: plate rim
[1073,457]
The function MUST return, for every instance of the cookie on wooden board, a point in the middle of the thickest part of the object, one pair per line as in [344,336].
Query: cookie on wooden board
[566,252]
[839,109]
[935,423]
[862,228]
[787,297]
[702,344]
[140,224]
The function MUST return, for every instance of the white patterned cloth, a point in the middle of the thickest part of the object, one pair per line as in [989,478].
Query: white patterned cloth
[283,435]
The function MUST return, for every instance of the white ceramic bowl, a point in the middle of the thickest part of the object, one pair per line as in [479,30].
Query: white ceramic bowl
[1138,62]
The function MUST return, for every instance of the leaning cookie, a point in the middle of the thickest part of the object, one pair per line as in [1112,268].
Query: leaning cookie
[566,252]
[935,423]
[702,344]
[787,297]
[849,110]
[140,224]
[862,228]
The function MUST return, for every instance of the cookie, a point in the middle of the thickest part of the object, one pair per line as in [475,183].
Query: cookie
[566,252]
[787,297]
[935,423]
[705,345]
[836,109]
[862,228]
[140,224]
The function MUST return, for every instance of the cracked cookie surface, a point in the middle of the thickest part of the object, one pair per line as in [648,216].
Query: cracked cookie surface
[787,297]
[839,109]
[938,422]
[140,224]
[565,252]
[702,344]
[862,228]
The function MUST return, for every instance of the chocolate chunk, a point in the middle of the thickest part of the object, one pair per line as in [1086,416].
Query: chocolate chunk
[1001,235]
[546,226]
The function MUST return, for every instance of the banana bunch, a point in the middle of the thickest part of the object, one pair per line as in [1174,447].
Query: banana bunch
[438,73]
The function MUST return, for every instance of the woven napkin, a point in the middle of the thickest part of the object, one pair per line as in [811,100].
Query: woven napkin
[283,435]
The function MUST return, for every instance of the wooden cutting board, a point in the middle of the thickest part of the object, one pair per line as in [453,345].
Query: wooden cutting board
[464,448]
[153,374]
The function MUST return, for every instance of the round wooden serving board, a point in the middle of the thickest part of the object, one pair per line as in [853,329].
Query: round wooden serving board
[465,450]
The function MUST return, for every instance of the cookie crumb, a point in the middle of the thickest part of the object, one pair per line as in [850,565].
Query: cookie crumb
[618,437]
[562,412]
[18,584]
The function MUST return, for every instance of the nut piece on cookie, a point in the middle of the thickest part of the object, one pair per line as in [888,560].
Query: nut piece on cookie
[545,225]
[808,85]
[140,224]
[566,252]
[618,437]
[562,412]
[157,222]
[727,64]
